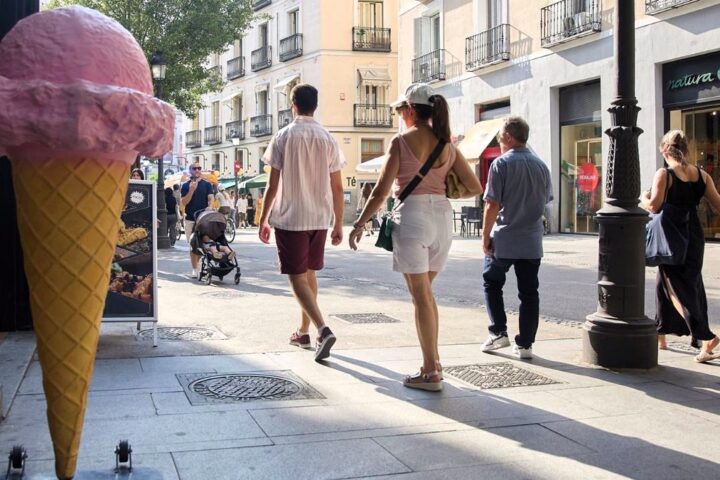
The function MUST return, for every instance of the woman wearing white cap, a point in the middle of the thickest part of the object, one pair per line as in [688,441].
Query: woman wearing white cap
[423,231]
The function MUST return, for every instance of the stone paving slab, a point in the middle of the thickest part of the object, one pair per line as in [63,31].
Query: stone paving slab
[102,467]
[16,351]
[121,405]
[340,459]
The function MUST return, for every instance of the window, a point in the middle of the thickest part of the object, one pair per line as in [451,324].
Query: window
[237,108]
[263,35]
[215,114]
[427,34]
[216,162]
[196,121]
[239,158]
[237,48]
[293,22]
[370,148]
[435,32]
[262,102]
[370,13]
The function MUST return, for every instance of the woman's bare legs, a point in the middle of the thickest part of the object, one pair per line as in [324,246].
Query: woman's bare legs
[426,317]
[707,345]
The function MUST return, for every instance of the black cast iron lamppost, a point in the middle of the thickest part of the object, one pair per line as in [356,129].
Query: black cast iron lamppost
[618,334]
[158,67]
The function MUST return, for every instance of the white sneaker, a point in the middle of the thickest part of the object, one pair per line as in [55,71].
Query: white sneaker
[193,274]
[495,341]
[523,353]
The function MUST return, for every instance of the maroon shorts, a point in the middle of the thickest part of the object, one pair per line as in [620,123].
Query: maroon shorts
[300,251]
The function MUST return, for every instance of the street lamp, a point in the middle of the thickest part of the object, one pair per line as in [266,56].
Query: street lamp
[158,68]
[618,334]
[236,167]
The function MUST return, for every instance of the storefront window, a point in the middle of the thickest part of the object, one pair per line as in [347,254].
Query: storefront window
[702,128]
[581,177]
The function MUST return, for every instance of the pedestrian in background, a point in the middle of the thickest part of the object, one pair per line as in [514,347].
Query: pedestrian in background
[137,174]
[680,299]
[422,233]
[196,196]
[258,208]
[172,214]
[251,209]
[242,208]
[364,196]
[304,198]
[517,190]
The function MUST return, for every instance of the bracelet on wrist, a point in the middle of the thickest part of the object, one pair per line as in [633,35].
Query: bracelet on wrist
[357,225]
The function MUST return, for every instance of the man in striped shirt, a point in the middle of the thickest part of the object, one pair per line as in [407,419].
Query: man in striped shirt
[304,199]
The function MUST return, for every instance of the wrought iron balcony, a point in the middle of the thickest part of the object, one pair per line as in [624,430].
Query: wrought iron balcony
[428,67]
[488,47]
[369,39]
[213,135]
[291,47]
[657,6]
[236,68]
[258,4]
[568,19]
[193,139]
[235,129]
[368,115]
[261,58]
[285,117]
[261,125]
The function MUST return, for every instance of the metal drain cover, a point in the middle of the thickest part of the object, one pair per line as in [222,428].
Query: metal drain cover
[564,322]
[183,333]
[497,375]
[682,348]
[366,318]
[204,388]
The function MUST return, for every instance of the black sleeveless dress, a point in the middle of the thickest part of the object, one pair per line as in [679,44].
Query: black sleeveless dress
[686,280]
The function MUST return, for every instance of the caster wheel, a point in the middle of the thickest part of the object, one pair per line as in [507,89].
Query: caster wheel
[237,279]
[123,454]
[199,275]
[221,278]
[208,279]
[17,457]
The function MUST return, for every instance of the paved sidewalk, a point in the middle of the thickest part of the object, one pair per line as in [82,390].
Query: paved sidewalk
[351,417]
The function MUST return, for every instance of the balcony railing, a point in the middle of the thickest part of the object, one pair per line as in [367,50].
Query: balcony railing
[291,47]
[236,68]
[428,67]
[258,4]
[235,129]
[656,6]
[488,47]
[261,125]
[366,115]
[369,39]
[193,139]
[213,135]
[568,19]
[285,117]
[261,58]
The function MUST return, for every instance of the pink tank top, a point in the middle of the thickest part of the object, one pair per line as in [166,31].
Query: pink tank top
[434,181]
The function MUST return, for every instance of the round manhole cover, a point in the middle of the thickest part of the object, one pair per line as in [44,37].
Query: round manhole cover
[179,333]
[245,387]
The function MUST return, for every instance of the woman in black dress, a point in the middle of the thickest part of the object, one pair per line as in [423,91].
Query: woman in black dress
[681,304]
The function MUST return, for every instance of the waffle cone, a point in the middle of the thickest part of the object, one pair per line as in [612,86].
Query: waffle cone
[68,216]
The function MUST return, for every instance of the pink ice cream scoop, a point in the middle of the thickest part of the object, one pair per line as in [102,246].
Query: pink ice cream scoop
[76,107]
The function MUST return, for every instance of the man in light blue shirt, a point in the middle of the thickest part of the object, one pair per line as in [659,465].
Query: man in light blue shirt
[518,188]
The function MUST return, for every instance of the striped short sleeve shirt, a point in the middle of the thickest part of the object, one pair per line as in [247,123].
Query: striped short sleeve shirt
[306,154]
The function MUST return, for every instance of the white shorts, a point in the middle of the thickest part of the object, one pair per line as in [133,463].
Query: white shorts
[422,234]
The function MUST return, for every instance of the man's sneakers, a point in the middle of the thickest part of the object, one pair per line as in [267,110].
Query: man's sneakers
[325,341]
[300,339]
[522,353]
[496,341]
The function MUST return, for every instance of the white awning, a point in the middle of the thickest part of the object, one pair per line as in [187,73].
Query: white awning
[372,166]
[282,85]
[377,77]
[230,95]
[478,137]
[262,87]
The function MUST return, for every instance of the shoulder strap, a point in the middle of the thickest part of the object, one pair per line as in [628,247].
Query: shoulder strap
[423,171]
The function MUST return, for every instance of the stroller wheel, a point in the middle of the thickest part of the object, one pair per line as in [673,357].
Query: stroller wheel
[237,278]
[221,278]
[208,279]
[200,275]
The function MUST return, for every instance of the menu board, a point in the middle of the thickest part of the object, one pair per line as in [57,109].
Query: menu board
[132,293]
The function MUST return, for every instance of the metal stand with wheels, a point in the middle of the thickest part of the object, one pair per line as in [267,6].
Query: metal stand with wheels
[123,455]
[16,461]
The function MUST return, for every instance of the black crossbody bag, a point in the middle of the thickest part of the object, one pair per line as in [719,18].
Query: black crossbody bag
[385,234]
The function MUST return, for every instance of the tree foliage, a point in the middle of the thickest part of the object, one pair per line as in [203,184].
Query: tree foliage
[187,32]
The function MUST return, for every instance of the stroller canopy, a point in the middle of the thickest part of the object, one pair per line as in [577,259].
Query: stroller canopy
[210,223]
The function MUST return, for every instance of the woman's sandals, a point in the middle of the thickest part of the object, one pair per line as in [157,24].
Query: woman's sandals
[431,381]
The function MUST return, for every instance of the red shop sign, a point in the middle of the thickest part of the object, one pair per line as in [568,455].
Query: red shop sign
[588,177]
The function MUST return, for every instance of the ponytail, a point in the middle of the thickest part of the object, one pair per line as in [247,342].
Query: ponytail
[675,144]
[440,118]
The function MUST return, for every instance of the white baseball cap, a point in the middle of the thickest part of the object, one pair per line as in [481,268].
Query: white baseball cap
[417,93]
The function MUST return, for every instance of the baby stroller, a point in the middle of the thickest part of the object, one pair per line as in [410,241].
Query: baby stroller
[212,224]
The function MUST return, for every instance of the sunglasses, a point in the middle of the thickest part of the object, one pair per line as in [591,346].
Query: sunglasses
[195,168]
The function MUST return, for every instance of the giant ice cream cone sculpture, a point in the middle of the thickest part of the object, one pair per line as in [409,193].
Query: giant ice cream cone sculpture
[77,107]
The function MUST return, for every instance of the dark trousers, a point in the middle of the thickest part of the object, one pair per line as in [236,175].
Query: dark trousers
[526,271]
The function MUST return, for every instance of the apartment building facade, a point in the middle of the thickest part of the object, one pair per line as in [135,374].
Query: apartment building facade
[552,63]
[347,49]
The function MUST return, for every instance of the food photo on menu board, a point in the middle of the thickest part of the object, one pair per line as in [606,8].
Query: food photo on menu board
[131,292]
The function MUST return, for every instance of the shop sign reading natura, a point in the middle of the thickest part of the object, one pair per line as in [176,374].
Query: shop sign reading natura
[693,79]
